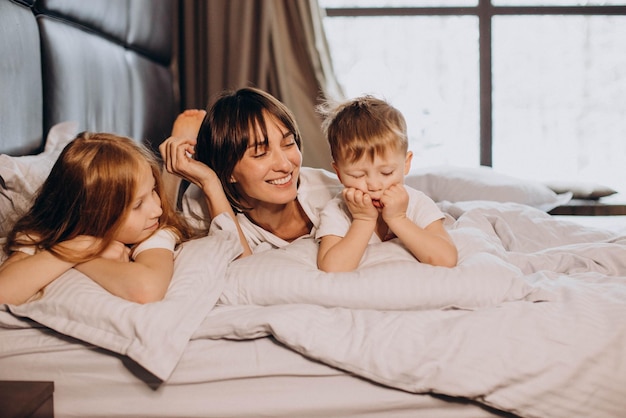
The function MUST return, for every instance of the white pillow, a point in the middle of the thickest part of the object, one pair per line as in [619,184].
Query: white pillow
[581,189]
[388,279]
[155,334]
[458,184]
[21,177]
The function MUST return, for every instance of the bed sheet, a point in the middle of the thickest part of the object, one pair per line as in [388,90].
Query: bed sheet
[548,342]
[214,378]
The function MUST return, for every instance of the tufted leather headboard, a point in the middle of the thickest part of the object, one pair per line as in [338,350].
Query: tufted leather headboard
[102,63]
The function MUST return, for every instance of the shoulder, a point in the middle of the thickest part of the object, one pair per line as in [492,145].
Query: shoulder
[318,185]
[163,238]
[318,177]
[317,188]
[417,195]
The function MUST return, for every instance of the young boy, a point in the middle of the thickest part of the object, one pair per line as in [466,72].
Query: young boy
[369,147]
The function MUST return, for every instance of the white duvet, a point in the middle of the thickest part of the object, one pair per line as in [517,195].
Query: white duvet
[532,321]
[554,346]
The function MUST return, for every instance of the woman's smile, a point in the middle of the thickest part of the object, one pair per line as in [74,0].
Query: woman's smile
[281,181]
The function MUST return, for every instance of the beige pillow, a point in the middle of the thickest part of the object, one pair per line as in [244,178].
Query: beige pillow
[460,184]
[581,189]
[21,177]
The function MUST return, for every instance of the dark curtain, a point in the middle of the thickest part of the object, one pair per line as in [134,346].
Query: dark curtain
[276,45]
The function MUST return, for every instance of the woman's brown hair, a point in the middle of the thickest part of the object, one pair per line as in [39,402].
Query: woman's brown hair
[88,192]
[231,124]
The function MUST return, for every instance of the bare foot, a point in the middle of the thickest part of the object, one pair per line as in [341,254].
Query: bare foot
[187,124]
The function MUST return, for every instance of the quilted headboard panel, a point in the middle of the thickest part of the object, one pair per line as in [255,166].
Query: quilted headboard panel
[102,63]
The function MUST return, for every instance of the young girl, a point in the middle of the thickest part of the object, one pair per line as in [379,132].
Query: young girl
[369,146]
[99,211]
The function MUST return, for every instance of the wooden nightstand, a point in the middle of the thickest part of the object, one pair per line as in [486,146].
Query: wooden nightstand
[608,206]
[21,399]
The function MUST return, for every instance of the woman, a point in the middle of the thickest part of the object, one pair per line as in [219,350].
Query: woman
[247,162]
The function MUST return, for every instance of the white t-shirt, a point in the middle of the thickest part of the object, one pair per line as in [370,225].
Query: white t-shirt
[335,218]
[162,238]
[317,187]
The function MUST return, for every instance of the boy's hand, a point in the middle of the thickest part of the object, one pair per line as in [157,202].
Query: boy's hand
[395,201]
[359,204]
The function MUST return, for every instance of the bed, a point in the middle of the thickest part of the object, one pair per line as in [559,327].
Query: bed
[531,322]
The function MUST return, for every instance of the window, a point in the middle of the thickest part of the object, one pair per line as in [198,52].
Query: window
[534,88]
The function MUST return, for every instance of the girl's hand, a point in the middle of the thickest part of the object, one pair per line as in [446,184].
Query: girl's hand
[178,159]
[116,251]
[395,201]
[359,204]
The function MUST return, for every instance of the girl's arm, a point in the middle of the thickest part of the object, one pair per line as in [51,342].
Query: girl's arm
[23,275]
[176,155]
[144,280]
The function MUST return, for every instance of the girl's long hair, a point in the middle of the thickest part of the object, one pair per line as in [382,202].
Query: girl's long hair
[89,192]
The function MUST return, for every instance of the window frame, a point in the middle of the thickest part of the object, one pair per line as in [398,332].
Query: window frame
[484,11]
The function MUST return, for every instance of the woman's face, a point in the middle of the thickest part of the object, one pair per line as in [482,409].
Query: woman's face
[268,175]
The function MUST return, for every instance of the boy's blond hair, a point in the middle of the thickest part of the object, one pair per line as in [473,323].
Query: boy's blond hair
[363,126]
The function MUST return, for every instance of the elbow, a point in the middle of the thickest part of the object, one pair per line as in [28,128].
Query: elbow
[450,259]
[147,294]
[327,267]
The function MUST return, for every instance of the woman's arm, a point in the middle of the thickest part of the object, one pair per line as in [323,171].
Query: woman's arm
[176,153]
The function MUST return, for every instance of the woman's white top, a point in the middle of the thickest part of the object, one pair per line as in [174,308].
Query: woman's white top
[317,187]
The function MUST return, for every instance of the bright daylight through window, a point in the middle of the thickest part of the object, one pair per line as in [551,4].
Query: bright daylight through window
[556,80]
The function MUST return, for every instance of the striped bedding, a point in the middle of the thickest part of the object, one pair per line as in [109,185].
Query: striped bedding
[531,322]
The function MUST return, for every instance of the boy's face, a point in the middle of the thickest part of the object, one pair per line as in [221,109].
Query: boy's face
[374,177]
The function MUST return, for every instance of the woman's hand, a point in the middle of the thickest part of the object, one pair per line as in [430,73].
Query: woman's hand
[178,159]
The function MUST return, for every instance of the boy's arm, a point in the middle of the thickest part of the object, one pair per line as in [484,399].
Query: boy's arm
[431,245]
[344,253]
[144,280]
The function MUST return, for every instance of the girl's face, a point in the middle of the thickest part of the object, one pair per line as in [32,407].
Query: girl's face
[143,214]
[374,177]
[269,174]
